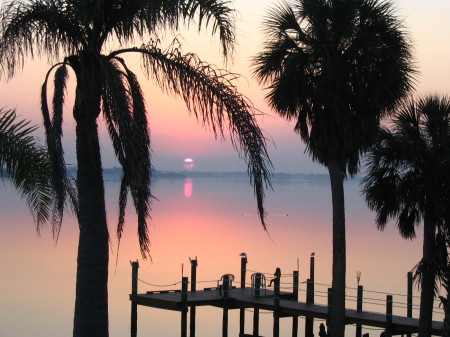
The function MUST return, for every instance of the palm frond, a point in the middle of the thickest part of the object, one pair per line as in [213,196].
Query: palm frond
[127,19]
[209,94]
[215,13]
[337,67]
[124,111]
[36,28]
[26,164]
[62,185]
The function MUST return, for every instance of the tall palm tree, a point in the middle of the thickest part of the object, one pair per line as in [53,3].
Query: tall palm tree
[408,179]
[27,165]
[335,67]
[75,35]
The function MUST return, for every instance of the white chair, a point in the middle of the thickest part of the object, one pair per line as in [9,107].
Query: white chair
[258,284]
[225,284]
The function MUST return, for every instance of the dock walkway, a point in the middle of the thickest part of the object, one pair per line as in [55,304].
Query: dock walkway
[245,298]
[283,302]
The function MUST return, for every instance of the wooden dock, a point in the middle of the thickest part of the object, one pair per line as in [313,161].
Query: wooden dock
[257,297]
[245,298]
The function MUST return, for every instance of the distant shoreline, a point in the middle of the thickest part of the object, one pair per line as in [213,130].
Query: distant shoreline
[115,173]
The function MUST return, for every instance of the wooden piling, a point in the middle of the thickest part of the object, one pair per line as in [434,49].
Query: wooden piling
[276,308]
[309,321]
[388,315]
[184,309]
[134,288]
[409,300]
[410,295]
[359,303]
[226,294]
[192,315]
[257,286]
[242,310]
[311,275]
[225,322]
[329,303]
[243,270]
[295,278]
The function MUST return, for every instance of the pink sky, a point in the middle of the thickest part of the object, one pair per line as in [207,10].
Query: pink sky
[176,135]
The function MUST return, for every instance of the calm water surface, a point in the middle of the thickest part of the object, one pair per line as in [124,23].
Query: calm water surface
[215,220]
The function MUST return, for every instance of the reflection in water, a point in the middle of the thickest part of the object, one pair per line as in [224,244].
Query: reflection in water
[188,187]
[39,281]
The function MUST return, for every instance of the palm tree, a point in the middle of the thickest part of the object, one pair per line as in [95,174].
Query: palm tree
[75,35]
[27,165]
[335,67]
[408,179]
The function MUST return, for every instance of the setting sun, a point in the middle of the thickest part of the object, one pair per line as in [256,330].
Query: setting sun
[188,163]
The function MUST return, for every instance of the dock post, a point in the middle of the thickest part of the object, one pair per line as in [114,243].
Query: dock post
[276,308]
[134,285]
[243,269]
[309,321]
[295,279]
[311,275]
[329,303]
[388,315]
[409,304]
[242,310]
[359,303]
[192,314]
[226,293]
[184,309]
[225,322]
[256,310]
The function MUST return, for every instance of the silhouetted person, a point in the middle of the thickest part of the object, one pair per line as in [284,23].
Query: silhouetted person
[277,276]
[322,331]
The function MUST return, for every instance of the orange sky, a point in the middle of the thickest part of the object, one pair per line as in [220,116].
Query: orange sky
[176,135]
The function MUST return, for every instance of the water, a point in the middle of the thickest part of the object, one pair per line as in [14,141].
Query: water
[214,219]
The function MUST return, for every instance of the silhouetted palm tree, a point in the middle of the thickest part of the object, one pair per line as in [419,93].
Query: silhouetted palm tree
[335,67]
[408,179]
[77,32]
[27,165]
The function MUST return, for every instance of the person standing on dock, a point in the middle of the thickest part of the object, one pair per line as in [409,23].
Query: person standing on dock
[277,275]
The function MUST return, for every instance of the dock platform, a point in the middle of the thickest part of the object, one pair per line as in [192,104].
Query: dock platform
[245,298]
[230,295]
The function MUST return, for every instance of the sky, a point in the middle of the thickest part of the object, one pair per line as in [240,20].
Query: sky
[176,135]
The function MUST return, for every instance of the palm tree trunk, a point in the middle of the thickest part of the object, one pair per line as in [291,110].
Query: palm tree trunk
[428,277]
[91,304]
[337,314]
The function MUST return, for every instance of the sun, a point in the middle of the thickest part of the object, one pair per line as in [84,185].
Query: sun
[188,163]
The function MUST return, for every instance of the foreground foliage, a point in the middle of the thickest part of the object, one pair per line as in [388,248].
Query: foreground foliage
[335,67]
[408,179]
[75,34]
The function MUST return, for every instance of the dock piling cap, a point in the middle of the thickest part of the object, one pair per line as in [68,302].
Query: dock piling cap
[194,262]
